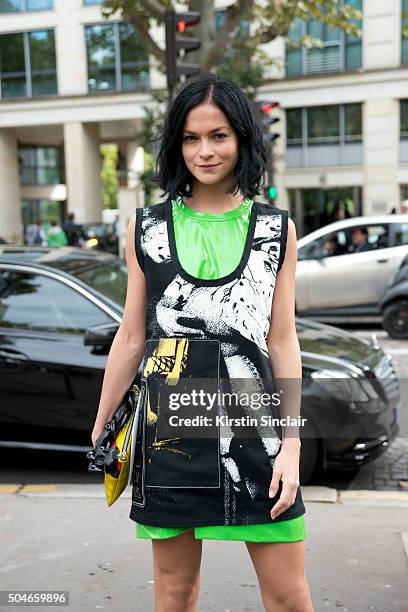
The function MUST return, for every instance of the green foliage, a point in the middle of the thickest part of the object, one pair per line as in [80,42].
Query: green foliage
[109,178]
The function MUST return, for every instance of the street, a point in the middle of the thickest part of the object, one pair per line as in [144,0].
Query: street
[356,560]
[58,533]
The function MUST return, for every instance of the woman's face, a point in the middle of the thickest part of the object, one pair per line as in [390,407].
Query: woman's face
[209,144]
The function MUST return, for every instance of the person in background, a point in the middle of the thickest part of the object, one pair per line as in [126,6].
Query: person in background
[55,235]
[359,239]
[404,207]
[35,235]
[332,247]
[71,230]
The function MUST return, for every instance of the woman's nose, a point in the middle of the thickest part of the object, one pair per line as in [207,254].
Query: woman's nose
[205,148]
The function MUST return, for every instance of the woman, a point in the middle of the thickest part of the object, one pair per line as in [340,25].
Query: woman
[203,269]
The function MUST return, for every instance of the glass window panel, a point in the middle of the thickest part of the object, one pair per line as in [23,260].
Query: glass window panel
[353,122]
[219,17]
[401,234]
[90,2]
[293,61]
[315,29]
[39,303]
[134,59]
[100,41]
[294,126]
[323,125]
[39,5]
[10,6]
[296,29]
[13,78]
[404,117]
[404,25]
[354,56]
[43,65]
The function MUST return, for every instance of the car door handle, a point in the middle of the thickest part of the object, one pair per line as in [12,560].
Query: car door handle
[382,260]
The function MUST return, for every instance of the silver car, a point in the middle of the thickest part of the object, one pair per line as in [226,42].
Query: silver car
[334,284]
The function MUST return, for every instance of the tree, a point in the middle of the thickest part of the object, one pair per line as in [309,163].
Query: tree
[231,50]
[109,179]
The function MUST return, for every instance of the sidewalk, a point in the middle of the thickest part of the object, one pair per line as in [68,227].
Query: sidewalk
[65,537]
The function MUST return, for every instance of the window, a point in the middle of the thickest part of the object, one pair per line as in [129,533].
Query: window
[110,279]
[243,27]
[341,243]
[91,2]
[40,165]
[404,36]
[339,51]
[37,302]
[117,60]
[324,125]
[404,118]
[401,234]
[14,6]
[27,64]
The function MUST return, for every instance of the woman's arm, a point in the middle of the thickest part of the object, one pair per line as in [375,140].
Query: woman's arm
[285,358]
[127,347]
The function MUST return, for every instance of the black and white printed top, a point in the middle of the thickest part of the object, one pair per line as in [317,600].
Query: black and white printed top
[211,331]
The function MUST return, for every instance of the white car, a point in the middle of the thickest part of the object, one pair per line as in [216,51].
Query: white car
[346,286]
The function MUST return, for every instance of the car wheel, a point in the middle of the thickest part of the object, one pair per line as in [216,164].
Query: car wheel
[309,455]
[395,319]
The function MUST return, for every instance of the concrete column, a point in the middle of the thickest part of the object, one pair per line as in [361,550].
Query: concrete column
[11,223]
[381,34]
[70,48]
[83,171]
[381,148]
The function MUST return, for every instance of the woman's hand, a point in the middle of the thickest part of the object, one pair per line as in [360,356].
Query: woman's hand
[285,468]
[96,432]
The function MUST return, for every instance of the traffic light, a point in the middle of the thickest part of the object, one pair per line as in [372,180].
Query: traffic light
[178,23]
[271,193]
[267,118]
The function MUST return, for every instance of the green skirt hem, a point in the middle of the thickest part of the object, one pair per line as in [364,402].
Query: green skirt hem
[292,530]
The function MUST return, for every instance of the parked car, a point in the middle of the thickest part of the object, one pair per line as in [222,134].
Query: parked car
[100,236]
[345,286]
[59,312]
[394,303]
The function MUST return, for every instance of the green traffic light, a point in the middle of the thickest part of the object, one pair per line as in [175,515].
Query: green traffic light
[272,192]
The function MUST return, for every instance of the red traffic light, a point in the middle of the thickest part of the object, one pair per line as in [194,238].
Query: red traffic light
[268,107]
[181,26]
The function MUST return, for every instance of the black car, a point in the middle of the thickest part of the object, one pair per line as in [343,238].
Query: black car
[59,312]
[394,304]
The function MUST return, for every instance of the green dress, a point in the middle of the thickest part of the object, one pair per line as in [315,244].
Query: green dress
[209,246]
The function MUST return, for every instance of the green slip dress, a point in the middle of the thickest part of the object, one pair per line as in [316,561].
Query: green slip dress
[209,246]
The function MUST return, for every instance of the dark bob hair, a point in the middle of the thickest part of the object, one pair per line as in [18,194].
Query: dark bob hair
[173,176]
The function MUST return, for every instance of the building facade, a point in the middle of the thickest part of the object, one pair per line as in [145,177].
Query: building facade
[71,81]
[344,117]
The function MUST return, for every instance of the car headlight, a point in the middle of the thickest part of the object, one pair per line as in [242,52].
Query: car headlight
[351,387]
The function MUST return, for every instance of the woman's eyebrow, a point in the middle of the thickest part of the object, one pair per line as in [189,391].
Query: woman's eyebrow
[222,127]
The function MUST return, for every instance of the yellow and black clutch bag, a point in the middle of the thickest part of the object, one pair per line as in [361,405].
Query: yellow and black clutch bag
[114,448]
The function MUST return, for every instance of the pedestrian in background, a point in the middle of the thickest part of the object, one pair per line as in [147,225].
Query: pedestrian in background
[55,235]
[35,235]
[71,230]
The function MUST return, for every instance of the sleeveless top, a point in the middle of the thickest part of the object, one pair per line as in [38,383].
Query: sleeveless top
[206,329]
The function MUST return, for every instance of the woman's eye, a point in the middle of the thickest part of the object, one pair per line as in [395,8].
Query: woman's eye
[221,135]
[186,138]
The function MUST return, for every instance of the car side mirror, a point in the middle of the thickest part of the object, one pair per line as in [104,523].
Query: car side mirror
[100,335]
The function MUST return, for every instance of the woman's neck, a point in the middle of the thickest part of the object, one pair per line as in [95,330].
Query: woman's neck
[213,199]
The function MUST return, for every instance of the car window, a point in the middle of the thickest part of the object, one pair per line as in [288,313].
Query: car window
[37,302]
[341,242]
[401,234]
